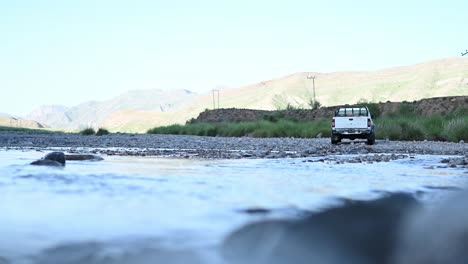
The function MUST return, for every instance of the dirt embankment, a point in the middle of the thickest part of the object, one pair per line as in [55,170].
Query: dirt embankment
[425,107]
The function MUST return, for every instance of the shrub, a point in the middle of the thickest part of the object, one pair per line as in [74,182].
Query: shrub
[87,131]
[388,130]
[315,105]
[411,131]
[407,109]
[456,129]
[102,131]
[374,109]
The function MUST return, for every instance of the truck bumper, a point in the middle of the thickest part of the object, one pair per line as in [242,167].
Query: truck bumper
[352,133]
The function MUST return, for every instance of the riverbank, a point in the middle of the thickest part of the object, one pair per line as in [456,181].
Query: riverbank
[183,146]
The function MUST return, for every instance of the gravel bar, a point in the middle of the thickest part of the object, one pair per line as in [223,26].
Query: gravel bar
[182,146]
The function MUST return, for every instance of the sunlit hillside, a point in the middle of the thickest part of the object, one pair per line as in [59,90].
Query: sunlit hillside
[444,77]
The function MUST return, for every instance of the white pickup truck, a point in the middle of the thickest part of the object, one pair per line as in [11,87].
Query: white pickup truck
[352,122]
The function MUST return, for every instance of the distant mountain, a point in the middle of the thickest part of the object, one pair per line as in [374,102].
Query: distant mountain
[53,115]
[11,121]
[93,113]
[137,111]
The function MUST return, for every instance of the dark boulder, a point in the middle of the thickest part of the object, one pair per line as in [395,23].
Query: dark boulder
[51,159]
[359,232]
[82,157]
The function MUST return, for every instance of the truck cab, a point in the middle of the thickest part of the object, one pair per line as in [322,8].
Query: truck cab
[352,122]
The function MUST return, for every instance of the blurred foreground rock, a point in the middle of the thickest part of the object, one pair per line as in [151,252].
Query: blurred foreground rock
[359,232]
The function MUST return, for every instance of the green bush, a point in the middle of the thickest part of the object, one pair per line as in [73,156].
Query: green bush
[456,129]
[374,109]
[411,131]
[406,109]
[451,127]
[102,131]
[262,128]
[388,130]
[87,132]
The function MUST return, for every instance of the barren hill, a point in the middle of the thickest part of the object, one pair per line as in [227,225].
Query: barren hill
[10,121]
[139,111]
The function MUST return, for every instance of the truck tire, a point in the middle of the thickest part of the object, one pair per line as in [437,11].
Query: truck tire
[335,139]
[371,139]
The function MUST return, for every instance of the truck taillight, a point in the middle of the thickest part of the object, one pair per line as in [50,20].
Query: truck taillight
[368,123]
[333,123]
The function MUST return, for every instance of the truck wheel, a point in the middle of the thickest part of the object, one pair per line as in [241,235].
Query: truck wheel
[371,139]
[335,140]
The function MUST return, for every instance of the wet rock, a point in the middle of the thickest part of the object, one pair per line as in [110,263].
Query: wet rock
[436,236]
[55,158]
[83,157]
[359,232]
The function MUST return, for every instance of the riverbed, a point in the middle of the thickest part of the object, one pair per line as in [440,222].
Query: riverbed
[126,204]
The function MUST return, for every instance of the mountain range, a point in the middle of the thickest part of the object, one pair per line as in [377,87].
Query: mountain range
[139,110]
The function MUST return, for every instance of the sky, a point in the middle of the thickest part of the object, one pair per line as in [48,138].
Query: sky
[67,52]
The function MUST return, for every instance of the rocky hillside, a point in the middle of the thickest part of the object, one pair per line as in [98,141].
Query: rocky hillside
[425,107]
[438,78]
[11,121]
[96,114]
[138,111]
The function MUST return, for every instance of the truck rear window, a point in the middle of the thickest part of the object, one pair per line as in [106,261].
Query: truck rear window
[351,111]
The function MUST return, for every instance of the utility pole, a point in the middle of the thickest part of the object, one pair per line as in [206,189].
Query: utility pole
[464,53]
[214,98]
[313,86]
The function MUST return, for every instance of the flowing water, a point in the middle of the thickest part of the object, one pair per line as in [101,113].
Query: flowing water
[129,203]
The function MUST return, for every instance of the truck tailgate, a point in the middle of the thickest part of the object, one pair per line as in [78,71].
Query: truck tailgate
[351,122]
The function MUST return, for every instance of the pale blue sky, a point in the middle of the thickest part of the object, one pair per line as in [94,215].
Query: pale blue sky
[67,52]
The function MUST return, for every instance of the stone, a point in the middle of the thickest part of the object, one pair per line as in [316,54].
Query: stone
[358,232]
[43,162]
[55,158]
[82,157]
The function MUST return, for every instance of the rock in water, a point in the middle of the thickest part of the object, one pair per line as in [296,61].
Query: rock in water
[359,232]
[88,157]
[51,159]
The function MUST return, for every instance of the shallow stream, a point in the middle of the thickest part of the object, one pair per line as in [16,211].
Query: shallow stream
[181,203]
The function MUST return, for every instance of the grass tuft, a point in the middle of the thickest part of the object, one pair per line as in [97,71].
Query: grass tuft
[102,131]
[87,132]
[406,125]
